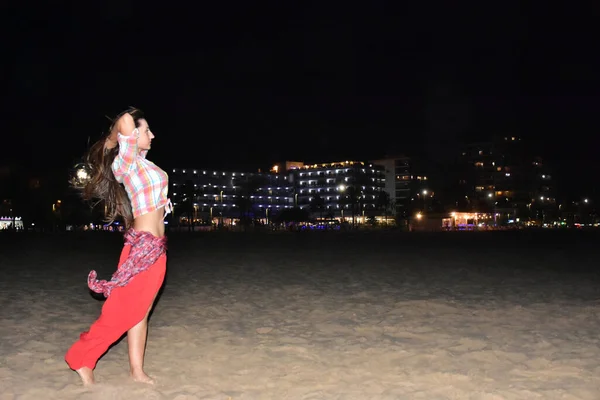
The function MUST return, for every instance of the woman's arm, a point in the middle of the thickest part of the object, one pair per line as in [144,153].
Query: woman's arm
[125,134]
[124,125]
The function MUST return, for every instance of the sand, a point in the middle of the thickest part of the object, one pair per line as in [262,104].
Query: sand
[481,316]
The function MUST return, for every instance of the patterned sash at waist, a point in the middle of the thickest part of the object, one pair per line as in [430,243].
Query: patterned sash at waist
[145,250]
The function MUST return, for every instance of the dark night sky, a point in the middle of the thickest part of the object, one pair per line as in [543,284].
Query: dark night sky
[241,85]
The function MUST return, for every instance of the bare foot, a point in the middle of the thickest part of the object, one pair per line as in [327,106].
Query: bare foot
[140,376]
[87,376]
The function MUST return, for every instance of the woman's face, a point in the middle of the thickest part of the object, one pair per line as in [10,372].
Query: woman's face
[146,135]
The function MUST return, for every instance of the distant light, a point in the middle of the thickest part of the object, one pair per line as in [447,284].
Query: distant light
[82,174]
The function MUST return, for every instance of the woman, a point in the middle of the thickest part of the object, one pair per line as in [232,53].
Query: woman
[134,189]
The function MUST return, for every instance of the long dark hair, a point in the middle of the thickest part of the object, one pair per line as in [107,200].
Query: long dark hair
[96,181]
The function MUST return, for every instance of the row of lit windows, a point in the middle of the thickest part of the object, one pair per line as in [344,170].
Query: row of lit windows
[346,206]
[333,181]
[326,206]
[285,199]
[214,173]
[481,164]
[231,182]
[331,198]
[330,189]
[222,173]
[235,186]
[235,195]
[333,164]
[331,172]
[227,205]
[506,174]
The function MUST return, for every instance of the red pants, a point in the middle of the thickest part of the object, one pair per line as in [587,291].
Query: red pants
[123,309]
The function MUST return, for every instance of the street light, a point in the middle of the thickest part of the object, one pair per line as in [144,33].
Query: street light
[342,188]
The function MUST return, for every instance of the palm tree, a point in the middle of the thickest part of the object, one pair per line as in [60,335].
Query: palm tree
[317,204]
[384,203]
[246,188]
[353,194]
[350,197]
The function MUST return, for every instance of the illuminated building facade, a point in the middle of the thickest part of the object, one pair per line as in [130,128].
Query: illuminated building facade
[7,222]
[406,189]
[204,196]
[397,181]
[345,189]
[499,176]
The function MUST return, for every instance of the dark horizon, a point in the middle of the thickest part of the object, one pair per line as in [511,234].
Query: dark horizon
[243,86]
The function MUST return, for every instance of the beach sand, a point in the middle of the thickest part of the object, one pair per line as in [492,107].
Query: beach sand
[322,315]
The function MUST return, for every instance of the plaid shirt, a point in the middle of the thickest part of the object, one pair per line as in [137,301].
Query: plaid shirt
[147,185]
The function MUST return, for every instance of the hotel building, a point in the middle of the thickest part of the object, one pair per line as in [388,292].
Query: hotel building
[342,190]
[406,188]
[498,176]
[202,195]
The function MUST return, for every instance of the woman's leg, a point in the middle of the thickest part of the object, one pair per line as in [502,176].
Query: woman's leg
[124,308]
[136,340]
[138,334]
[78,356]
